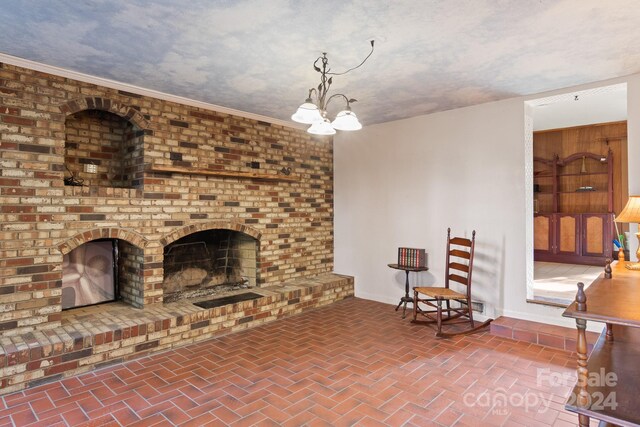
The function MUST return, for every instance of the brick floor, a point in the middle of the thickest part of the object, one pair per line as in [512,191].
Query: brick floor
[355,362]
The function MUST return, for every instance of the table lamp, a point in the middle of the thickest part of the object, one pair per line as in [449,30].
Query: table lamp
[631,214]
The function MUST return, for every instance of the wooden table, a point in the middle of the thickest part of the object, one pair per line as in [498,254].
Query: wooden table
[406,298]
[608,386]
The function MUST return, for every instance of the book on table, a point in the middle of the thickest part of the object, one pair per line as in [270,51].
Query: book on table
[412,257]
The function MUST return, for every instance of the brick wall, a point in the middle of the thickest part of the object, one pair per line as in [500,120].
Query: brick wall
[41,219]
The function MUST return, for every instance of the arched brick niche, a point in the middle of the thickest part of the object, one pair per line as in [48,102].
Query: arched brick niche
[132,237]
[209,258]
[128,256]
[103,143]
[105,104]
[211,225]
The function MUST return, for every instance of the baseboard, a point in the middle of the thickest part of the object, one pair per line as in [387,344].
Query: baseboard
[379,298]
[386,299]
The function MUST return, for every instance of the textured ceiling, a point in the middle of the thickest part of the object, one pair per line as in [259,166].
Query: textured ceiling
[257,56]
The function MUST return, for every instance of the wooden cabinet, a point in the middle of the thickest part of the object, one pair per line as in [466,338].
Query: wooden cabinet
[579,183]
[568,228]
[545,184]
[585,183]
[573,238]
[544,235]
[574,219]
[597,235]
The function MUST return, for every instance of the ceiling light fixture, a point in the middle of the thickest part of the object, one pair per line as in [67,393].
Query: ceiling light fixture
[314,110]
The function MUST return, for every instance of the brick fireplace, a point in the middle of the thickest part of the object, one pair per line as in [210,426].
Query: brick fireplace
[194,201]
[209,262]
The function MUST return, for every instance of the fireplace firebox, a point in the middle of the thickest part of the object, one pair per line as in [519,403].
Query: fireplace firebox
[209,262]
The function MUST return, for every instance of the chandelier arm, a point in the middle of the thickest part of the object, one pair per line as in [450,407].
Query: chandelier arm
[357,66]
[338,94]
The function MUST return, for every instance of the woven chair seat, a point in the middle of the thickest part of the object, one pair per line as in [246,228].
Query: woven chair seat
[439,292]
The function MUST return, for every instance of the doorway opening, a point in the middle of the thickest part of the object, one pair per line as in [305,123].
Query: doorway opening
[576,183]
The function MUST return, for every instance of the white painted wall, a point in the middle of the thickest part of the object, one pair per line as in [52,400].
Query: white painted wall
[403,183]
[633,130]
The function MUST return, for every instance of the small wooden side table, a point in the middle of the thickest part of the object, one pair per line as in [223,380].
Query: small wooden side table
[608,387]
[406,298]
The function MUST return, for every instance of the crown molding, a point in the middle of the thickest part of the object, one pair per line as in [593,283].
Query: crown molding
[112,84]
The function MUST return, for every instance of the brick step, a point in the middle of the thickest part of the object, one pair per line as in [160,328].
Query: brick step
[102,335]
[539,333]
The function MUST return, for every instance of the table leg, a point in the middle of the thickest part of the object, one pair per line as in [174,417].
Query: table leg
[406,285]
[609,332]
[406,298]
[582,399]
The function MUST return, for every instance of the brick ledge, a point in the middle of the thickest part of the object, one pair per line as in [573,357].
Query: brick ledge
[539,333]
[97,336]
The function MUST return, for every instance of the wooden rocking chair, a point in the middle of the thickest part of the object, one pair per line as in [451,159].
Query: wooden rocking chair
[460,260]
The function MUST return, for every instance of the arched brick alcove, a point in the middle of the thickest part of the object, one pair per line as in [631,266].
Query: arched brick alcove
[104,143]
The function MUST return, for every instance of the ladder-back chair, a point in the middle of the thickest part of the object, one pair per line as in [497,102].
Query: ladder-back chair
[428,301]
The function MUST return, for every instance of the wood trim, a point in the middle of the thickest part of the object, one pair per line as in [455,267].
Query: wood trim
[222,173]
[580,155]
[570,259]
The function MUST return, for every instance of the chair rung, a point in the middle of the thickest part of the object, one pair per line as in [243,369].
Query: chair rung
[458,266]
[459,253]
[458,279]
[460,241]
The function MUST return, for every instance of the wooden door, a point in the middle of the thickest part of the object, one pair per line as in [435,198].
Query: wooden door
[543,233]
[596,235]
[568,234]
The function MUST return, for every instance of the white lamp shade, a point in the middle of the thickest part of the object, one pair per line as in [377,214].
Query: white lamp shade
[322,128]
[307,113]
[346,120]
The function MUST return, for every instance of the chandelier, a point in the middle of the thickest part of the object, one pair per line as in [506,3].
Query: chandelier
[314,110]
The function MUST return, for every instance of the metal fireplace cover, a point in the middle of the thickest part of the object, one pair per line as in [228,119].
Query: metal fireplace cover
[219,302]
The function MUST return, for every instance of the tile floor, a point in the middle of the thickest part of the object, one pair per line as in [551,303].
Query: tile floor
[556,283]
[355,362]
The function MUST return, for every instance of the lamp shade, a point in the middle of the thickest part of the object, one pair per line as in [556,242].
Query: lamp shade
[346,120]
[307,113]
[322,128]
[631,212]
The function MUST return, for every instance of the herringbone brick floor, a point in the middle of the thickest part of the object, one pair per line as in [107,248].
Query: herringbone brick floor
[355,362]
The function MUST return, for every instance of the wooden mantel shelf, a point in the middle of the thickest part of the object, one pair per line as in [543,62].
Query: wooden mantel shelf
[222,173]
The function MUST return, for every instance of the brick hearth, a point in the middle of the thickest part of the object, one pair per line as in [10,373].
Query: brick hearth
[105,334]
